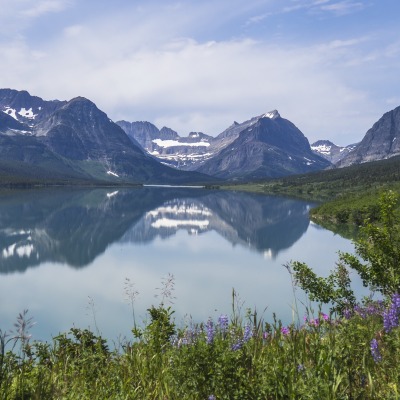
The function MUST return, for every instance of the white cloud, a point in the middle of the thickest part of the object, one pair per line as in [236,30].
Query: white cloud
[17,15]
[343,7]
[38,8]
[336,7]
[140,66]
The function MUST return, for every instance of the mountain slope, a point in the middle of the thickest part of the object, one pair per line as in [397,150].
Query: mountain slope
[76,139]
[331,151]
[165,145]
[380,142]
[269,146]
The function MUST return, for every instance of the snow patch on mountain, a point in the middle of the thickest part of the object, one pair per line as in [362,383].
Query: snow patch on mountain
[174,143]
[11,112]
[271,114]
[112,173]
[323,149]
[27,113]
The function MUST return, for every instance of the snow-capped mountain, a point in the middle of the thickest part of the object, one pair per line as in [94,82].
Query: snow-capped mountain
[331,151]
[380,142]
[185,153]
[74,139]
[263,146]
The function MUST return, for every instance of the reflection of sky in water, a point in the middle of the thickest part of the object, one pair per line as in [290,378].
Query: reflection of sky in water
[206,267]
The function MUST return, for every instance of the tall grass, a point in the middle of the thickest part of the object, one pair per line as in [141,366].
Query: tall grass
[240,356]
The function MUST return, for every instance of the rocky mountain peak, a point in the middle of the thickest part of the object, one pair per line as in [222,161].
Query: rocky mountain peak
[380,142]
[271,114]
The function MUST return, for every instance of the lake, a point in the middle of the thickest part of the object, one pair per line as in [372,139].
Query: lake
[66,255]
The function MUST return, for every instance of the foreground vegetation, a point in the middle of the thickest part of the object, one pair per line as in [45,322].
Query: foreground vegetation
[327,357]
[352,353]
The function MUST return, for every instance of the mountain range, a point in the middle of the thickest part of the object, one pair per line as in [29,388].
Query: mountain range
[264,146]
[74,141]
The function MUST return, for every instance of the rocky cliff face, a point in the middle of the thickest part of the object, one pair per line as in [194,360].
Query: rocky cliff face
[76,138]
[331,151]
[380,142]
[270,146]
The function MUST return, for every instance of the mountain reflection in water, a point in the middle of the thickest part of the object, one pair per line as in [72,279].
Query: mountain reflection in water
[74,226]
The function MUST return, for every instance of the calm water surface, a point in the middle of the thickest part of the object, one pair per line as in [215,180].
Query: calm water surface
[65,254]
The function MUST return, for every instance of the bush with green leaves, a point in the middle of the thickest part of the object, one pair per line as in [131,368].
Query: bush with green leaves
[376,260]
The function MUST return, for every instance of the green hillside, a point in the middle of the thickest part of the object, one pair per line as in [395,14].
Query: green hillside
[348,195]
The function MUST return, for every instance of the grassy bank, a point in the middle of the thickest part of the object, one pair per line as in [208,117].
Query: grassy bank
[348,195]
[240,357]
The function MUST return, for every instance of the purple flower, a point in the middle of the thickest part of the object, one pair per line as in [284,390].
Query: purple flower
[325,317]
[347,313]
[376,354]
[300,368]
[285,330]
[223,322]
[314,322]
[210,331]
[212,397]
[391,315]
[265,335]
[238,345]
[247,335]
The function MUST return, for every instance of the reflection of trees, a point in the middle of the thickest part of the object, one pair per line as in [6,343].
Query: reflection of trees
[75,226]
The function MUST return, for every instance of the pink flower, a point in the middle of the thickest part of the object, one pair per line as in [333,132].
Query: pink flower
[285,330]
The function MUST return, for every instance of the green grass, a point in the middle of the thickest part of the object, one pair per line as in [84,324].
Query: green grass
[241,358]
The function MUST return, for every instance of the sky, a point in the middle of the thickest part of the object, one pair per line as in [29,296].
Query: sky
[329,66]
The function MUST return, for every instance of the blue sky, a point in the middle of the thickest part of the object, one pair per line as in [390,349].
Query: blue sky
[329,66]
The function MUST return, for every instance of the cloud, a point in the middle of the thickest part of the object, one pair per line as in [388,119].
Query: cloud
[335,7]
[17,15]
[343,7]
[38,8]
[138,65]
[188,85]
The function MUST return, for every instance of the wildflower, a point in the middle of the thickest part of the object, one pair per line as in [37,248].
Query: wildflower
[325,317]
[237,346]
[376,354]
[285,330]
[314,322]
[391,315]
[212,397]
[223,322]
[300,368]
[265,335]
[210,331]
[247,334]
[347,313]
